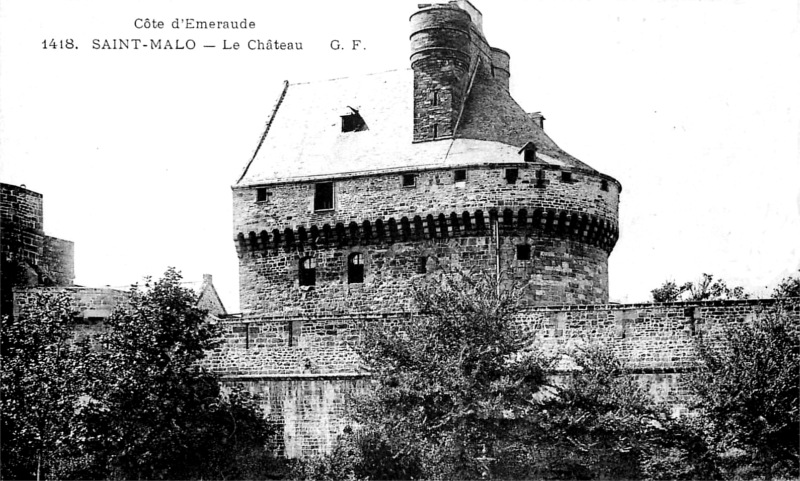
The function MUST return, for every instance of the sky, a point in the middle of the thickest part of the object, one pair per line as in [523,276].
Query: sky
[692,105]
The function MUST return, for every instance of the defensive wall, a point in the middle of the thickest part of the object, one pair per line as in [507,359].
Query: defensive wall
[28,256]
[302,368]
[569,225]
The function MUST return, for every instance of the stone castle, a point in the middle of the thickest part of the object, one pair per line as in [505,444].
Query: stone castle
[32,262]
[360,186]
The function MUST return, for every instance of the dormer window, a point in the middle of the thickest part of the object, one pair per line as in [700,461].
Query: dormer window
[353,122]
[528,152]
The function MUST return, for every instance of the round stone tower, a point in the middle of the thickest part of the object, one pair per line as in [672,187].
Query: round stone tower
[360,186]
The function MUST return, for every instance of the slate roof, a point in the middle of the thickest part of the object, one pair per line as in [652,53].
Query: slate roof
[303,137]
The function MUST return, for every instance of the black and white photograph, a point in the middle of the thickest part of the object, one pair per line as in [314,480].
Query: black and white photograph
[465,239]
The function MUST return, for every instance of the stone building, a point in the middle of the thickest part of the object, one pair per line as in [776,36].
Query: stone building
[360,186]
[34,263]
[29,257]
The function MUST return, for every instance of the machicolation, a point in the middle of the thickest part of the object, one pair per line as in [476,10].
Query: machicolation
[360,186]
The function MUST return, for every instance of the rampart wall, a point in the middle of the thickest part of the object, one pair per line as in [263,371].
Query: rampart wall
[28,257]
[281,357]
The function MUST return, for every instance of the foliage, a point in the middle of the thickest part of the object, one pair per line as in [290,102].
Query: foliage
[705,289]
[789,287]
[359,454]
[598,422]
[155,413]
[132,403]
[42,379]
[461,391]
[452,383]
[748,394]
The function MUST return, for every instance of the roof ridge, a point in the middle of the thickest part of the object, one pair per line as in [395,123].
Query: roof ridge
[350,77]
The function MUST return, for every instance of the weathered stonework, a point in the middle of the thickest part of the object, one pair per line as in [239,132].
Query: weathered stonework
[280,357]
[28,257]
[334,224]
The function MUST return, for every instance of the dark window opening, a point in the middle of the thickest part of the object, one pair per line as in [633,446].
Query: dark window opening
[262,194]
[422,265]
[540,178]
[604,185]
[492,70]
[435,100]
[529,155]
[323,196]
[523,252]
[512,175]
[409,180]
[459,175]
[355,268]
[353,123]
[294,328]
[435,131]
[308,271]
[566,176]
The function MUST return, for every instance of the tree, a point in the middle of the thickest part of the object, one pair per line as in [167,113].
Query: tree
[154,412]
[598,423]
[462,391]
[43,379]
[705,289]
[789,287]
[747,389]
[452,382]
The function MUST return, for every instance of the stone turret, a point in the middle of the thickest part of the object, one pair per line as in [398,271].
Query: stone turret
[441,57]
[361,187]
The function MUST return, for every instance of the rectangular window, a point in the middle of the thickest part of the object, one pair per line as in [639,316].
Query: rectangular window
[459,175]
[512,175]
[294,328]
[541,181]
[261,194]
[409,180]
[566,176]
[435,100]
[604,185]
[523,252]
[435,131]
[323,196]
[355,268]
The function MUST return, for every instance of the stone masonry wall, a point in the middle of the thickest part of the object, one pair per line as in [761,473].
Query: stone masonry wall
[435,191]
[58,261]
[27,256]
[304,367]
[90,304]
[559,271]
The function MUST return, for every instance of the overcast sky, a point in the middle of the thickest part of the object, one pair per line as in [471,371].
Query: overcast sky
[693,105]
